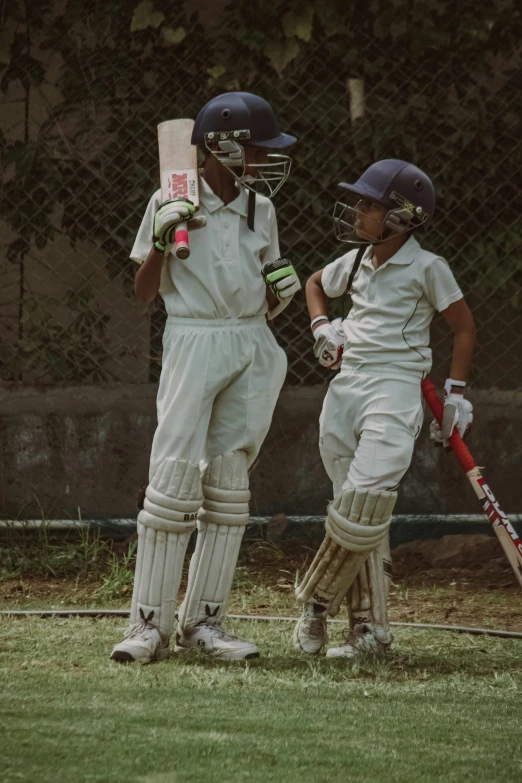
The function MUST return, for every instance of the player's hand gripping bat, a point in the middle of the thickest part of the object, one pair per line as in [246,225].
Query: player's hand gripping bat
[506,533]
[178,172]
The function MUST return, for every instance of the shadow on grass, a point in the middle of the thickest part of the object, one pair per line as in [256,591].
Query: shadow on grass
[397,666]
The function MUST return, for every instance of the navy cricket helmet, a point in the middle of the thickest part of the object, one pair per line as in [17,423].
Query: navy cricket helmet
[402,188]
[241,112]
[393,183]
[228,124]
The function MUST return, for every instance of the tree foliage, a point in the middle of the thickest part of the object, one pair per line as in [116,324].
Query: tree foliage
[442,84]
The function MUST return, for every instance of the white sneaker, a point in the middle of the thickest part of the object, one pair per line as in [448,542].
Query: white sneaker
[142,642]
[310,634]
[363,639]
[212,639]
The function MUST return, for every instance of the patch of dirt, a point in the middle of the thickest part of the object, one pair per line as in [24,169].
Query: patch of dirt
[455,580]
[460,551]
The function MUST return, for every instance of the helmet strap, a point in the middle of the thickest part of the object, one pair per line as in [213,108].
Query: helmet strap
[251,209]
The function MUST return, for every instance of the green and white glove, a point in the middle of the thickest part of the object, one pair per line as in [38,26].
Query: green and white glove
[167,217]
[281,277]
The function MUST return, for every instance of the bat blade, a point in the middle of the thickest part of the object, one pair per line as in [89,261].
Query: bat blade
[178,171]
[507,535]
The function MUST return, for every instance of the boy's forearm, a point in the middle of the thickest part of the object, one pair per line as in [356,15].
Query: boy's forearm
[148,276]
[463,348]
[316,299]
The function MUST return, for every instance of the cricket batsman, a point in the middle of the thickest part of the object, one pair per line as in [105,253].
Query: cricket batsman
[221,376]
[373,412]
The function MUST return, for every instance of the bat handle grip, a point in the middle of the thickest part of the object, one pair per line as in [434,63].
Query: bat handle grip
[437,408]
[181,241]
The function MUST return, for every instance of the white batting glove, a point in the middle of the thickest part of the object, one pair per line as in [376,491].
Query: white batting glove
[329,345]
[458,413]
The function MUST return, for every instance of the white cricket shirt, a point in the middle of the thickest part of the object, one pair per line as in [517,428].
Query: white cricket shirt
[222,276]
[392,306]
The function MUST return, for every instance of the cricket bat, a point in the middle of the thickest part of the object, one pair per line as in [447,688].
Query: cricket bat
[178,160]
[506,533]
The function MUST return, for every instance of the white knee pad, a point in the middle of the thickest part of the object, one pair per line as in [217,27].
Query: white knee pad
[165,524]
[357,522]
[368,597]
[221,526]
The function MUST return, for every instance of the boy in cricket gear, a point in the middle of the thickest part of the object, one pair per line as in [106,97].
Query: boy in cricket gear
[221,376]
[372,412]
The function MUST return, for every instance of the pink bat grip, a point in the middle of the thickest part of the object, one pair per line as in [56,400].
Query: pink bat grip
[456,442]
[181,241]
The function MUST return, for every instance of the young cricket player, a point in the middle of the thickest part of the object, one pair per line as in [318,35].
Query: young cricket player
[373,411]
[221,376]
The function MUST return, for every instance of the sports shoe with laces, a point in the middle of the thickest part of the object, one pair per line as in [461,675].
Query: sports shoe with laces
[363,640]
[310,633]
[142,642]
[213,640]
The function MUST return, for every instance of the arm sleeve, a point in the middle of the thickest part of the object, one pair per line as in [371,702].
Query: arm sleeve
[335,275]
[271,252]
[440,286]
[143,242]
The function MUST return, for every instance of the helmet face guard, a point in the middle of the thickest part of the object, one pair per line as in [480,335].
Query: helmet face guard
[397,220]
[228,147]
[404,193]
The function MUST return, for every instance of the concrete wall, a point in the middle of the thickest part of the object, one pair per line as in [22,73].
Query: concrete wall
[88,447]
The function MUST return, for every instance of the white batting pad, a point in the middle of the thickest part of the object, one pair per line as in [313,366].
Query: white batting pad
[357,522]
[368,597]
[165,524]
[221,526]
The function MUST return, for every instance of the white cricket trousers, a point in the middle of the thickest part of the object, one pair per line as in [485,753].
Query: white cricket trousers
[218,388]
[371,416]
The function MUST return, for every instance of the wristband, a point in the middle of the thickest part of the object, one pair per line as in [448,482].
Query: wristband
[317,319]
[454,387]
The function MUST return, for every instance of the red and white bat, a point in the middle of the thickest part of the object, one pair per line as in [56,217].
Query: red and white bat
[178,160]
[506,533]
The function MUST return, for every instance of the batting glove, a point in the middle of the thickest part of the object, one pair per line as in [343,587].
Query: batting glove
[458,413]
[281,278]
[167,217]
[329,345]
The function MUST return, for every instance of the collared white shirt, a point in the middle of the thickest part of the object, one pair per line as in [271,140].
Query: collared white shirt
[222,276]
[392,306]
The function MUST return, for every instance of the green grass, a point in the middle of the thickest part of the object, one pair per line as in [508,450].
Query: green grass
[442,708]
[80,553]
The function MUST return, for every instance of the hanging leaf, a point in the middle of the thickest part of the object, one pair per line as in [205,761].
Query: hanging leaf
[332,21]
[145,16]
[280,53]
[170,37]
[298,25]
[216,71]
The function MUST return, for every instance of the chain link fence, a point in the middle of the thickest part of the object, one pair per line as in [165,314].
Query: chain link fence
[82,93]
